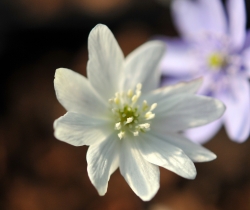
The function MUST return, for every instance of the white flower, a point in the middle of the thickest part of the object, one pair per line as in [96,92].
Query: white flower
[127,123]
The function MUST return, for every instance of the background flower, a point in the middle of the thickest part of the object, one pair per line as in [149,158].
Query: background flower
[215,46]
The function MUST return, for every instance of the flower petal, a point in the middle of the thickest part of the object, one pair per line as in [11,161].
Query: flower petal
[208,86]
[247,40]
[161,153]
[246,61]
[103,160]
[141,66]
[181,87]
[204,133]
[76,94]
[105,64]
[237,116]
[237,22]
[142,176]
[78,129]
[193,17]
[181,111]
[194,151]
[178,60]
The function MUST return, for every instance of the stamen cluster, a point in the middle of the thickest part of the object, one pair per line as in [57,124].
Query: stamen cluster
[217,60]
[130,117]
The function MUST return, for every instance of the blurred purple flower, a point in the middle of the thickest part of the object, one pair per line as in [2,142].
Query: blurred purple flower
[215,45]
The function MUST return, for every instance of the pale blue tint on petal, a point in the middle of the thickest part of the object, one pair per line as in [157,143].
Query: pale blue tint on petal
[178,60]
[208,86]
[246,60]
[237,115]
[221,49]
[196,17]
[237,22]
[204,133]
[247,40]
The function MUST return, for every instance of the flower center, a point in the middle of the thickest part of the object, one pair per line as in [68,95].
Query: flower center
[217,60]
[130,117]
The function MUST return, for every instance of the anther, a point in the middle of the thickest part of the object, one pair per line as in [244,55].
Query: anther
[117,100]
[129,120]
[134,98]
[121,134]
[149,115]
[153,106]
[138,93]
[118,126]
[136,133]
[145,105]
[145,126]
[138,86]
[130,93]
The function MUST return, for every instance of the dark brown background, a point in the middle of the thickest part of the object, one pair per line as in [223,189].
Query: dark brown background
[38,172]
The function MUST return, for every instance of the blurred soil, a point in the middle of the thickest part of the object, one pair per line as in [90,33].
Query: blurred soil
[38,172]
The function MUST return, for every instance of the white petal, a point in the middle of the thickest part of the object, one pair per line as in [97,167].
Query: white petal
[161,153]
[182,87]
[194,151]
[141,66]
[78,129]
[105,63]
[237,22]
[193,17]
[103,160]
[204,133]
[181,111]
[178,60]
[237,115]
[76,94]
[142,176]
[186,87]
